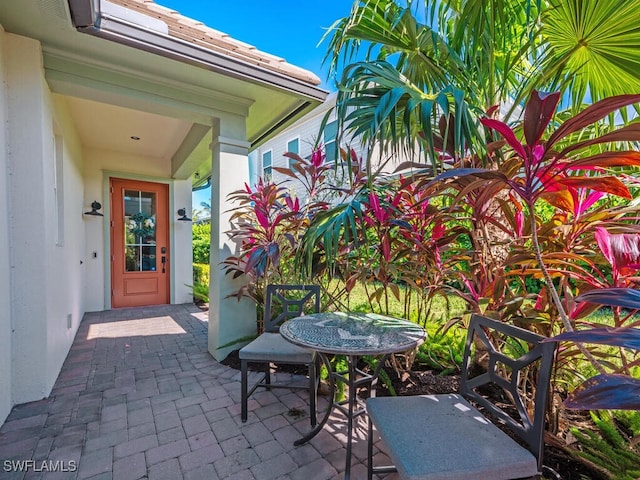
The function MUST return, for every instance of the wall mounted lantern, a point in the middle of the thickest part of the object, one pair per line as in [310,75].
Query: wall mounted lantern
[95,206]
[183,215]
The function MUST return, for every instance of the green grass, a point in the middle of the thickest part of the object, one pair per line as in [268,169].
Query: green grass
[441,308]
[443,350]
[445,346]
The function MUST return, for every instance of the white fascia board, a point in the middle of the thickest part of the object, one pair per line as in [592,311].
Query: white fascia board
[121,31]
[145,21]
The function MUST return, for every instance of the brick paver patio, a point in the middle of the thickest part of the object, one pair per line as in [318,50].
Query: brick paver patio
[139,396]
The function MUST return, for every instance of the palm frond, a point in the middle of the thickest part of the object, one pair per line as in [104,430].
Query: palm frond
[382,106]
[595,47]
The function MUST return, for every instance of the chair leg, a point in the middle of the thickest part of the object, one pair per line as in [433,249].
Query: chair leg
[267,374]
[313,392]
[369,449]
[243,389]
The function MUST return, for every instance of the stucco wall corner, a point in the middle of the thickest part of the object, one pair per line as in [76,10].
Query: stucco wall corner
[5,280]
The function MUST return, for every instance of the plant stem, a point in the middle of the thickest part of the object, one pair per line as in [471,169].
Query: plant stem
[552,289]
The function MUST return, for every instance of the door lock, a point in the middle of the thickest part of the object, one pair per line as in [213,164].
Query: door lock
[163,250]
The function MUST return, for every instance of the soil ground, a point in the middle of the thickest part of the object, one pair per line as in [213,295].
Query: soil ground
[427,382]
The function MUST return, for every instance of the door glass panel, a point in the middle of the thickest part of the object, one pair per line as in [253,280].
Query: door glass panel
[139,230]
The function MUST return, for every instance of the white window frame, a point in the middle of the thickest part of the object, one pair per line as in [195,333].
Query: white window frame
[267,176]
[329,145]
[297,140]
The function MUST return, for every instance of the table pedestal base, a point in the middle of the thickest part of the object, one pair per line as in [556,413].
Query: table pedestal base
[354,379]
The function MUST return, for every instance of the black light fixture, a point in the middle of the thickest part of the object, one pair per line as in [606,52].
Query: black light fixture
[95,206]
[183,215]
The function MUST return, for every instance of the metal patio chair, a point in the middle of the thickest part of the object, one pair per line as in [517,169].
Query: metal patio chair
[271,347]
[444,436]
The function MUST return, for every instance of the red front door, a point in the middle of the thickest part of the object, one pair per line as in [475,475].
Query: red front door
[139,243]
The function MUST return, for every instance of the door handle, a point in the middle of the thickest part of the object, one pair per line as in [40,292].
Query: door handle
[164,261]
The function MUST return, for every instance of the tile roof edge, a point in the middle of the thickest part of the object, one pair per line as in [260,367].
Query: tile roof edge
[216,38]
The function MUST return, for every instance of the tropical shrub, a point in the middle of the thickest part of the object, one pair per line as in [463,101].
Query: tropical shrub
[480,233]
[612,446]
[201,233]
[525,207]
[568,175]
[566,172]
[200,291]
[201,273]
[267,226]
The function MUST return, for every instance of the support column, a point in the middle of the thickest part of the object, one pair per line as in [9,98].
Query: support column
[231,323]
[30,144]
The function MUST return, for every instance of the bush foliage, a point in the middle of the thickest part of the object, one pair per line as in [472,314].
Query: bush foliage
[201,242]
[516,238]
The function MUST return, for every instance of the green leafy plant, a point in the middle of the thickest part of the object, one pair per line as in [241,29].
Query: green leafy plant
[201,234]
[267,226]
[200,291]
[201,273]
[406,232]
[610,448]
[530,200]
[409,61]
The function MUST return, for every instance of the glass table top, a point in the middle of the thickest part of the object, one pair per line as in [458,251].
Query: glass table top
[353,333]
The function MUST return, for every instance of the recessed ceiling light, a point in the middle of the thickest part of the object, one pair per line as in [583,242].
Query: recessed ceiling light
[133,137]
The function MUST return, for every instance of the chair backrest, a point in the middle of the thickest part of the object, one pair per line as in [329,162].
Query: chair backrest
[287,301]
[517,362]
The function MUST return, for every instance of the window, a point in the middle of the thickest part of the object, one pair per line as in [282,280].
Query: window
[140,231]
[266,166]
[330,134]
[293,146]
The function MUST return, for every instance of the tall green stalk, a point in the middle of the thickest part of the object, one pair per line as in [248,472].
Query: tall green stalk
[566,322]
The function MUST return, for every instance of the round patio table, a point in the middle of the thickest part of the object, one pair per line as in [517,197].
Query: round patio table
[352,335]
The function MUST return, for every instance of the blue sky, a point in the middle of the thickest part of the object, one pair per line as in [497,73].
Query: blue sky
[290,29]
[287,28]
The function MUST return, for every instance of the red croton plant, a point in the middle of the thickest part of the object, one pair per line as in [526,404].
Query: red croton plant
[380,231]
[268,223]
[571,174]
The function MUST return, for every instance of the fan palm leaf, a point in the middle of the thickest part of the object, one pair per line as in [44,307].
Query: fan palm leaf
[480,53]
[594,47]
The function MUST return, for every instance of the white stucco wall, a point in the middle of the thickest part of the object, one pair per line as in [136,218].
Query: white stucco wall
[100,166]
[231,322]
[5,277]
[49,275]
[46,274]
[65,273]
[26,137]
[181,244]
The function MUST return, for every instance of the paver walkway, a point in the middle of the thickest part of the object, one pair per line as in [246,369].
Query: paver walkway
[139,396]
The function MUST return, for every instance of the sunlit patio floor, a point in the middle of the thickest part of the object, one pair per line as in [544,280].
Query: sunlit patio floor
[139,396]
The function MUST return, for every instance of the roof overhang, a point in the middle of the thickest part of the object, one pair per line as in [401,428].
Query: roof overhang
[101,55]
[88,17]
